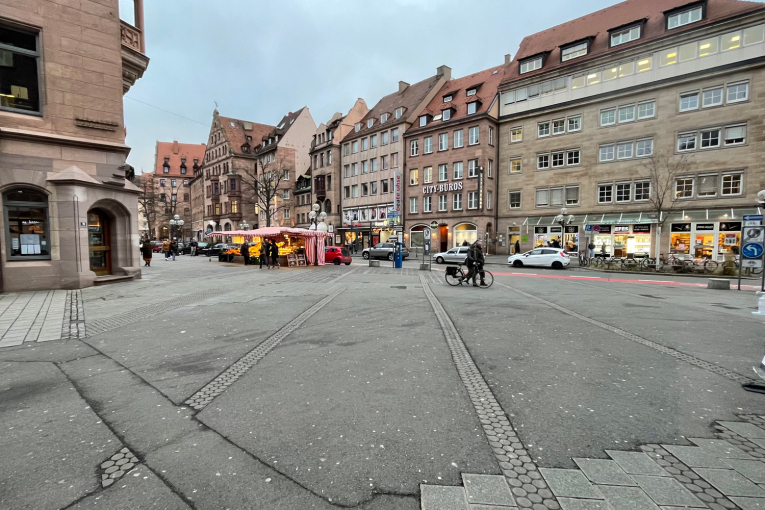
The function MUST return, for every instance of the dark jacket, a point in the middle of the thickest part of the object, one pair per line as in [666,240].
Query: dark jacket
[274,250]
[245,250]
[517,247]
[173,247]
[146,250]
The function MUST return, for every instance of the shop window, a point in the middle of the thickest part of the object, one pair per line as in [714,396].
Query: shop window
[642,190]
[26,224]
[731,184]
[605,193]
[515,199]
[19,62]
[707,185]
[712,97]
[684,187]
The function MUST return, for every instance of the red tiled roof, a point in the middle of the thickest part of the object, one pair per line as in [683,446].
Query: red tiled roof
[175,152]
[237,134]
[597,25]
[487,82]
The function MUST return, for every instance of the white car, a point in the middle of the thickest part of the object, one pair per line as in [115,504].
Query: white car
[555,258]
[455,255]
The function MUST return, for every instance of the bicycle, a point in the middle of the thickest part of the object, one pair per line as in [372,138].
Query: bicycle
[455,275]
[584,260]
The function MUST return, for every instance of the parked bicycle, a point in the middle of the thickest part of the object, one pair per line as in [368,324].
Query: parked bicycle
[455,275]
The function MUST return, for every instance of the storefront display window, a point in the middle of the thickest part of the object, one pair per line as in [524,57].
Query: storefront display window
[680,238]
[572,239]
[26,224]
[540,237]
[416,239]
[465,232]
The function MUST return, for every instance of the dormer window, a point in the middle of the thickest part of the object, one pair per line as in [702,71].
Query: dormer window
[249,138]
[358,127]
[423,120]
[574,51]
[625,35]
[232,124]
[686,17]
[447,114]
[531,64]
[329,135]
[472,107]
[448,99]
[471,92]
[277,138]
[245,148]
[399,112]
[270,141]
[383,118]
[370,122]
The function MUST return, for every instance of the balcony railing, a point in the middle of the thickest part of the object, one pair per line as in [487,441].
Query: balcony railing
[131,36]
[134,59]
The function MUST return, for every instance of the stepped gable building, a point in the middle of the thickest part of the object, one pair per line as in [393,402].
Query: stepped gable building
[373,162]
[451,164]
[326,189]
[175,164]
[604,114]
[229,157]
[70,206]
[284,150]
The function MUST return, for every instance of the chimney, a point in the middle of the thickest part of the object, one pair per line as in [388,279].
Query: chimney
[175,147]
[508,59]
[446,71]
[402,85]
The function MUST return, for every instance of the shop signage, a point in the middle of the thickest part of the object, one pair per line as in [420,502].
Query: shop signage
[730,226]
[554,229]
[524,239]
[434,224]
[681,227]
[704,226]
[452,186]
[621,229]
[641,228]
[398,192]
[540,230]
[752,251]
[572,230]
[731,240]
[603,229]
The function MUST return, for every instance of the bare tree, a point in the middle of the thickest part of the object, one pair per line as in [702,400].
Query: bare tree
[263,185]
[662,171]
[148,200]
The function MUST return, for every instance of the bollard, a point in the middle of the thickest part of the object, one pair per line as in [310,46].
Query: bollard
[760,304]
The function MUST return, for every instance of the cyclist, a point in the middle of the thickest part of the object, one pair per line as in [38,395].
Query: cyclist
[475,261]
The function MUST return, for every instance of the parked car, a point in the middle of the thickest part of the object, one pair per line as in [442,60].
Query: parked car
[187,248]
[337,255]
[215,249]
[455,255]
[156,246]
[383,251]
[555,258]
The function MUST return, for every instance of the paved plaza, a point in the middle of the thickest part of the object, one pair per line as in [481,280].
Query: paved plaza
[208,385]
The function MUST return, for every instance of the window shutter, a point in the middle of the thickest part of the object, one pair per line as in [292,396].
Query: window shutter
[542,197]
[557,196]
[707,185]
[572,194]
[735,132]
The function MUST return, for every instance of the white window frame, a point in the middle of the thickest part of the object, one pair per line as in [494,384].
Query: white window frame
[458,164]
[574,118]
[740,176]
[399,112]
[626,108]
[725,135]
[612,147]
[473,168]
[712,90]
[571,154]
[414,148]
[443,172]
[565,195]
[443,203]
[489,196]
[516,134]
[491,136]
[412,204]
[459,141]
[520,165]
[542,131]
[635,191]
[603,187]
[543,161]
[616,192]
[719,132]
[427,204]
[612,112]
[470,92]
[427,147]
[714,190]
[693,187]
[446,114]
[546,202]
[689,95]
[560,123]
[357,128]
[474,136]
[651,102]
[448,99]
[457,202]
[443,141]
[472,107]
[685,138]
[629,144]
[472,200]
[423,120]
[675,20]
[383,118]
[637,148]
[531,64]
[728,91]
[510,199]
[557,156]
[618,37]
[575,51]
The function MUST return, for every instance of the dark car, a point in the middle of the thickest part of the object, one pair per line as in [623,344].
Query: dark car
[215,249]
[337,255]
[187,248]
[383,251]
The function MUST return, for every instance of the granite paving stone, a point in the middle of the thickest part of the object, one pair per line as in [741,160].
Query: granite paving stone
[569,483]
[744,429]
[491,507]
[694,456]
[749,503]
[752,469]
[636,463]
[487,489]
[667,491]
[730,483]
[627,498]
[721,449]
[583,504]
[602,471]
[435,497]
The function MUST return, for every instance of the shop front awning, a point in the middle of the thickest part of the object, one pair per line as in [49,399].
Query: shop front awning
[270,232]
[677,215]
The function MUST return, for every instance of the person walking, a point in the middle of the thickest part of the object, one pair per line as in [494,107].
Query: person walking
[517,246]
[146,252]
[166,249]
[174,248]
[264,253]
[245,251]
[193,244]
[475,262]
[274,255]
[591,248]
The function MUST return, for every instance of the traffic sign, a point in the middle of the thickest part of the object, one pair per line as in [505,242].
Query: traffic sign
[426,234]
[753,217]
[752,251]
[588,228]
[392,214]
[754,234]
[756,263]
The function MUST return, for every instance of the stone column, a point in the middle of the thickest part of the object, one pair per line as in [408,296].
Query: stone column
[138,5]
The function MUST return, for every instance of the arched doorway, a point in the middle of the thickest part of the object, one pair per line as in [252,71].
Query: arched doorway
[99,242]
[465,232]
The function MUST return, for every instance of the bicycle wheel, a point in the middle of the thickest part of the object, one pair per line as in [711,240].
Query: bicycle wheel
[489,279]
[454,278]
[648,263]
[710,266]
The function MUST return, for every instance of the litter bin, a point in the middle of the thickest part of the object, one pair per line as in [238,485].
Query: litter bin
[398,258]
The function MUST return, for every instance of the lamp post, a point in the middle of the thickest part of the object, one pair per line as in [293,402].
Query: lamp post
[317,224]
[176,222]
[563,219]
[244,225]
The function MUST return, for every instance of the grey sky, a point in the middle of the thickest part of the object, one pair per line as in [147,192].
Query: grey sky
[260,60]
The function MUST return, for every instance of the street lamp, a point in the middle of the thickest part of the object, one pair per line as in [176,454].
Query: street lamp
[176,222]
[317,224]
[244,225]
[563,220]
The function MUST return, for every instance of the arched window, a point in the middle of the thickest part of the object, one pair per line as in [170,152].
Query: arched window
[465,232]
[416,239]
[26,224]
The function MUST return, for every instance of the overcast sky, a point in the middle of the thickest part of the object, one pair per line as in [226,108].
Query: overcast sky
[261,59]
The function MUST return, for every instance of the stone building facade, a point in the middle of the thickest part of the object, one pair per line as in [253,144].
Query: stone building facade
[451,160]
[373,163]
[326,189]
[70,208]
[602,126]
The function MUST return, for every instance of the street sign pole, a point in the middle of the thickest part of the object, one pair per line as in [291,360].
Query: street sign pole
[752,241]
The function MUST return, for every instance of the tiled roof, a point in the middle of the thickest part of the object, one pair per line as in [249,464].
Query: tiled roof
[597,24]
[175,152]
[237,134]
[487,82]
[283,125]
[409,98]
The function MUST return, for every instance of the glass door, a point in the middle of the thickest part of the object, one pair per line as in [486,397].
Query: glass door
[99,243]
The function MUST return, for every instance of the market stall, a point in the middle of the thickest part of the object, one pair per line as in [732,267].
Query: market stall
[297,246]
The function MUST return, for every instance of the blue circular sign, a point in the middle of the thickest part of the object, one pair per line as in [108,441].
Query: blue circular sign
[752,251]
